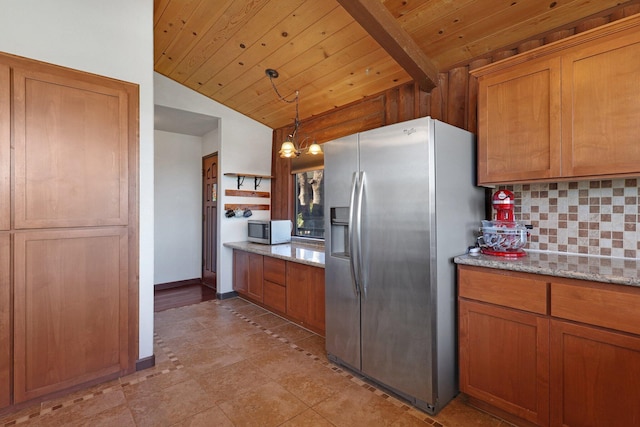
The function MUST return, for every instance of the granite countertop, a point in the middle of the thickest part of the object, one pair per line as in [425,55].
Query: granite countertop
[621,271]
[302,252]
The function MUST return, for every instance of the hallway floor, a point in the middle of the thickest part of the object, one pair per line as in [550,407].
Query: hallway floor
[231,363]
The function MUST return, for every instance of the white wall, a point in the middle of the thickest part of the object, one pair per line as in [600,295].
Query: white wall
[178,207]
[211,142]
[110,38]
[243,145]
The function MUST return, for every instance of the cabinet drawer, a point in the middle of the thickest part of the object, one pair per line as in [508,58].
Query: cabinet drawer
[274,270]
[600,305]
[516,290]
[275,296]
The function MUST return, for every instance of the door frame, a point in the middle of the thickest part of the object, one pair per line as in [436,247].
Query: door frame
[204,219]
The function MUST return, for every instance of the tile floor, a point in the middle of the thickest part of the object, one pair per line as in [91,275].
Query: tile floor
[231,363]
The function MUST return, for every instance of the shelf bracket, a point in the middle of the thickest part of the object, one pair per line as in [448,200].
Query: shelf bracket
[256,182]
[240,181]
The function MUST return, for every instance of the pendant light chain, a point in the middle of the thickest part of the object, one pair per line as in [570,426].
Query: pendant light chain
[290,147]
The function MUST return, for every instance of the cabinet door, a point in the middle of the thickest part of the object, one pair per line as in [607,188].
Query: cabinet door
[504,359]
[255,284]
[71,309]
[275,296]
[240,272]
[519,123]
[275,270]
[5,322]
[298,279]
[316,310]
[305,295]
[71,135]
[5,145]
[601,106]
[594,376]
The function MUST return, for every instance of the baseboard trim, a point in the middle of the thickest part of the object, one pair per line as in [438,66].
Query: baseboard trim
[146,363]
[226,295]
[177,284]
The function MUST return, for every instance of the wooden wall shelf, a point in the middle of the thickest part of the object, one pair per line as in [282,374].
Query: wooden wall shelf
[235,206]
[257,179]
[246,193]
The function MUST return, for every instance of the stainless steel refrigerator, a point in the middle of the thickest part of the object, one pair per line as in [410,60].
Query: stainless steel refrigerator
[400,203]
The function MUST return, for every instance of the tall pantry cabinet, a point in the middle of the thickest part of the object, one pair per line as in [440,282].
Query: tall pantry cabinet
[5,254]
[68,228]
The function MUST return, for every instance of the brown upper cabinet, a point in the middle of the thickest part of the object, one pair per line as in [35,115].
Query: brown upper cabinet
[567,110]
[71,151]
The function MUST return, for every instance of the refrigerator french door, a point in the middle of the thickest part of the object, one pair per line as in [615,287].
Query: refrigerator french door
[400,203]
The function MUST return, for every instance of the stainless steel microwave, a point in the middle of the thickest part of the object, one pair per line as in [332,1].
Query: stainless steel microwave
[270,232]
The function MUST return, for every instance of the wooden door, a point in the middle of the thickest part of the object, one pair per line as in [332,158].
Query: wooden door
[71,140]
[209,218]
[255,284]
[71,308]
[601,107]
[519,123]
[504,359]
[5,321]
[5,146]
[594,376]
[240,271]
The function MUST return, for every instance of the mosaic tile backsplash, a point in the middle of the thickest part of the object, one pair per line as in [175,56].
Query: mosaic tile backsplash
[587,217]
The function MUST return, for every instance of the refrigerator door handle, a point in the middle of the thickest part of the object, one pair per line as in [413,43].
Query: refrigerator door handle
[352,238]
[361,279]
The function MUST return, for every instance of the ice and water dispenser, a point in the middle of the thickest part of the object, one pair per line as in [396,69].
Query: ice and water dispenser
[340,232]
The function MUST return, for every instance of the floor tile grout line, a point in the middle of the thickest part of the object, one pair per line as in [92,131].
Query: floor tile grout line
[163,346]
[47,410]
[396,402]
[178,365]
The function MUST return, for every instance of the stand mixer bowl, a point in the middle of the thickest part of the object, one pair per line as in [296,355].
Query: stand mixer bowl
[503,236]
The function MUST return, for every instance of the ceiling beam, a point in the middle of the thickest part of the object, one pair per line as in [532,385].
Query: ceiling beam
[376,19]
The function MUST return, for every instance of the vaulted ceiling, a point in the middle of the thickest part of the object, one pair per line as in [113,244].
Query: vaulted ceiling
[338,51]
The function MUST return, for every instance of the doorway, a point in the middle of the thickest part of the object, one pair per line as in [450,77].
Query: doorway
[209,219]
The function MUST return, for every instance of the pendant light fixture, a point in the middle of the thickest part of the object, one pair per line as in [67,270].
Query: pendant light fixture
[291,147]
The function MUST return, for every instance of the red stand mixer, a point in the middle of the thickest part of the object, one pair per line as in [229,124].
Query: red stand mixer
[504,204]
[503,236]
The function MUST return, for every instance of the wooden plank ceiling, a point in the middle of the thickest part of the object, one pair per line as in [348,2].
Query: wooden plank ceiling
[221,48]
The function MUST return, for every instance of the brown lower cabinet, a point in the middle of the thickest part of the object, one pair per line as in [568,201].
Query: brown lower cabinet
[69,313]
[275,284]
[290,289]
[540,350]
[305,294]
[504,359]
[595,376]
[254,284]
[241,272]
[504,342]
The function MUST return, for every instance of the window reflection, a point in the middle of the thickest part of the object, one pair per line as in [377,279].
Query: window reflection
[309,219]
